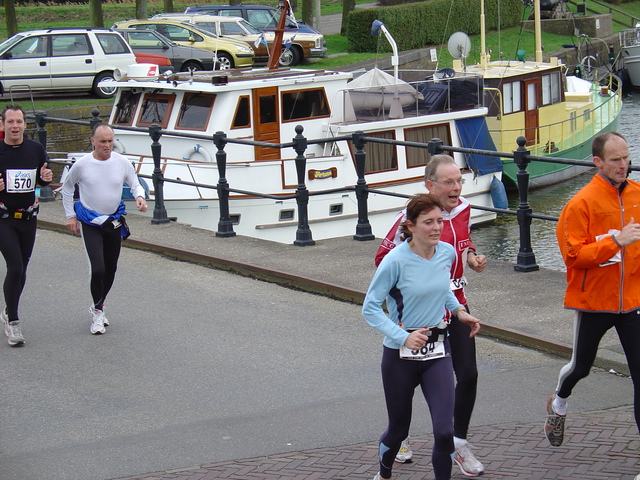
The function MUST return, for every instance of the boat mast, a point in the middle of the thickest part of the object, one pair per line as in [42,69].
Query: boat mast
[483,46]
[538,29]
[276,47]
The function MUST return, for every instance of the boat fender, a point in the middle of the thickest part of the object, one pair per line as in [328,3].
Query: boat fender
[118,147]
[197,149]
[498,194]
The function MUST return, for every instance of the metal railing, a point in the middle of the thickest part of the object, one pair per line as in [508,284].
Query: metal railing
[525,261]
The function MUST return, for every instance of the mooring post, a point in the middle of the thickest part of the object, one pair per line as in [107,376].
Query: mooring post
[434,147]
[46,192]
[159,212]
[225,226]
[363,228]
[526,260]
[303,233]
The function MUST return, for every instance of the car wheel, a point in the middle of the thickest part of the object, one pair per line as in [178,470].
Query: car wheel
[225,62]
[103,92]
[191,65]
[290,57]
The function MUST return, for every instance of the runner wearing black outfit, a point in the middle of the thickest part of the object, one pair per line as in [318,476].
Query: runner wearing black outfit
[23,165]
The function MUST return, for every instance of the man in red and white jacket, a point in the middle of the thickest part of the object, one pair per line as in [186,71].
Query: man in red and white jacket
[444,180]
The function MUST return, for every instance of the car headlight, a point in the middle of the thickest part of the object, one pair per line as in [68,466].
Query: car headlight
[244,49]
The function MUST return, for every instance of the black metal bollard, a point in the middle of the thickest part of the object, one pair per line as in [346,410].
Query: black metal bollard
[159,212]
[303,233]
[434,146]
[526,260]
[225,226]
[95,119]
[46,192]
[363,228]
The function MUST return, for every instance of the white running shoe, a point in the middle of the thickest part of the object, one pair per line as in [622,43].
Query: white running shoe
[97,322]
[105,322]
[468,463]
[404,455]
[13,333]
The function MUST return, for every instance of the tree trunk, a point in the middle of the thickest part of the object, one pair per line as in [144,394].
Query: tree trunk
[141,10]
[307,11]
[347,6]
[168,6]
[96,18]
[10,17]
[235,3]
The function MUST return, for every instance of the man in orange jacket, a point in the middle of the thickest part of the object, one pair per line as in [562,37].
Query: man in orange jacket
[598,234]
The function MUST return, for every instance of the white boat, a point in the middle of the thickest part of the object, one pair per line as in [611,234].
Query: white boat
[630,54]
[268,105]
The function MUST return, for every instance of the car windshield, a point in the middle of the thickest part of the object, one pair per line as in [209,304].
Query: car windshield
[250,28]
[9,42]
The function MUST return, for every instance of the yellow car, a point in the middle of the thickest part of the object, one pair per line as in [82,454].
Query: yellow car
[230,53]
[300,46]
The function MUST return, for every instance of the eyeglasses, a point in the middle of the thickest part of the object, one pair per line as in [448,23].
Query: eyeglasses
[451,183]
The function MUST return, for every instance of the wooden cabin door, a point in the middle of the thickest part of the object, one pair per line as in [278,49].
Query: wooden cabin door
[266,122]
[531,88]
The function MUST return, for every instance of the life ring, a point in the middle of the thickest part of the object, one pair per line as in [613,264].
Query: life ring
[197,149]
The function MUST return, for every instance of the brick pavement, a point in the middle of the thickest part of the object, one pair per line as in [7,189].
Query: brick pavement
[599,445]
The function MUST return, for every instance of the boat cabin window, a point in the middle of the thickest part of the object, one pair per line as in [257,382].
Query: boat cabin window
[551,88]
[126,108]
[195,111]
[380,157]
[242,118]
[268,109]
[417,157]
[511,97]
[301,104]
[156,108]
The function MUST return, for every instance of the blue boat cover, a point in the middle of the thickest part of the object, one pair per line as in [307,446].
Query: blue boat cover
[474,133]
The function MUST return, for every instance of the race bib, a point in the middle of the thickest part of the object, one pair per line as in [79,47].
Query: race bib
[458,283]
[430,351]
[20,181]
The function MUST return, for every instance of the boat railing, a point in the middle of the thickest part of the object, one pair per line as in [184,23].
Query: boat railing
[629,37]
[522,156]
[420,93]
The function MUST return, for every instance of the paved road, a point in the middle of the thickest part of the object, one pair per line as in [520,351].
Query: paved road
[205,368]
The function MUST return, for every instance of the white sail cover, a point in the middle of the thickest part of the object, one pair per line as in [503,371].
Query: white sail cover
[378,89]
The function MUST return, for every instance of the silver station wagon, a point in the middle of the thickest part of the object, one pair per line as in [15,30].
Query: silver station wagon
[63,59]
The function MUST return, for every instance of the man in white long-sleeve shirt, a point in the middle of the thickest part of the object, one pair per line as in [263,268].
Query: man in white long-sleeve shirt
[99,214]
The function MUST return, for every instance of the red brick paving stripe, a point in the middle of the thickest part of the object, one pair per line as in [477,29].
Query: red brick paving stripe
[598,446]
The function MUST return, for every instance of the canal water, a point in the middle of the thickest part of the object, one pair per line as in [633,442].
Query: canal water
[501,239]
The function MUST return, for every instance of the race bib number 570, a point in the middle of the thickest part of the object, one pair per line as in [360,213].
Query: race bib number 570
[21,181]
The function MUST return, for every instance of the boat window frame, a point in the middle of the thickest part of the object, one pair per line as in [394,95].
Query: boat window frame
[551,91]
[170,104]
[235,114]
[134,112]
[512,97]
[368,162]
[326,105]
[445,141]
[210,111]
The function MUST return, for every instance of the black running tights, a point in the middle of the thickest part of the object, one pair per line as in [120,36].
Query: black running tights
[400,379]
[17,238]
[102,245]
